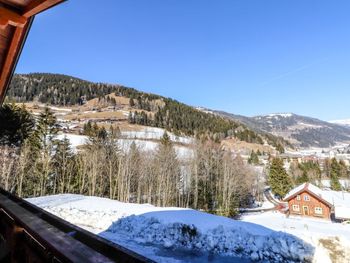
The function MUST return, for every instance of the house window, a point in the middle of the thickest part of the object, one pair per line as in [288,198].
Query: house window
[296,208]
[318,210]
[298,197]
[306,198]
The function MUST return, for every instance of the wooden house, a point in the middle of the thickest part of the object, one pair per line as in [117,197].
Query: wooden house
[308,200]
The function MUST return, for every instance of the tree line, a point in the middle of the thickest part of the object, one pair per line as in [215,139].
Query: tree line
[282,181]
[211,179]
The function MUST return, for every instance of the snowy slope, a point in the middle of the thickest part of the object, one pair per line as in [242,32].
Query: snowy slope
[150,230]
[144,145]
[156,134]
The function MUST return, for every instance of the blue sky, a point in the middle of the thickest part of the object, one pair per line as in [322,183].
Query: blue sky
[242,56]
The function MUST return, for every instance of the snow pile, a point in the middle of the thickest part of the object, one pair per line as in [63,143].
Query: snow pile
[235,241]
[175,228]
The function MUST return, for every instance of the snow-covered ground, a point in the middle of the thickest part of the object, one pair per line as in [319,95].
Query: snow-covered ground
[156,134]
[144,145]
[172,234]
[345,183]
[312,231]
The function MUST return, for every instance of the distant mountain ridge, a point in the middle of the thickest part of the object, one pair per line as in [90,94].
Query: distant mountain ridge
[148,109]
[302,131]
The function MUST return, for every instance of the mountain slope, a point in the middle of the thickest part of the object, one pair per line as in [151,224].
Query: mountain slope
[147,109]
[300,130]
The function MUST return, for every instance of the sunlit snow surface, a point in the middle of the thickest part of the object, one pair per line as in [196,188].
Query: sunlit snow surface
[172,234]
[144,144]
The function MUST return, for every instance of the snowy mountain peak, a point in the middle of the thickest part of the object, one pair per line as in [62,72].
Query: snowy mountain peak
[284,115]
[278,115]
[345,122]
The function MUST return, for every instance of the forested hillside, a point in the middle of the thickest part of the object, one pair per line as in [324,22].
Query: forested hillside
[150,109]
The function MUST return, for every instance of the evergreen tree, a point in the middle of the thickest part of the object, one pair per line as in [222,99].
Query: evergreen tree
[87,129]
[278,179]
[254,158]
[334,174]
[165,140]
[62,166]
[303,178]
[280,148]
[131,103]
[16,124]
[46,128]
[42,143]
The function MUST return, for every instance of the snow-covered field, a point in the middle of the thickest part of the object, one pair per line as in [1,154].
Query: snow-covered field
[171,234]
[156,134]
[144,145]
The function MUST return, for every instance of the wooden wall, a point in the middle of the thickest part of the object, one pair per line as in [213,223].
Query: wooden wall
[314,202]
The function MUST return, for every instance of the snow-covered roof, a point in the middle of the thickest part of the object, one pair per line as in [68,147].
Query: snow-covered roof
[340,200]
[307,187]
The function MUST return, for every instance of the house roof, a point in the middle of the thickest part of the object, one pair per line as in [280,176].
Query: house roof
[16,17]
[312,189]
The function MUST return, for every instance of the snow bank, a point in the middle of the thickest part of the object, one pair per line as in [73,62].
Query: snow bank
[175,228]
[229,240]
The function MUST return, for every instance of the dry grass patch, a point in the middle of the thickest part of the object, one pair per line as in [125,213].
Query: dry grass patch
[335,249]
[96,115]
[237,145]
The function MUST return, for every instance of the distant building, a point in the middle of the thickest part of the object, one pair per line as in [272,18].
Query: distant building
[309,200]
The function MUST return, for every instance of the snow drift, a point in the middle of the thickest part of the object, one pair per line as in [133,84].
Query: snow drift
[176,228]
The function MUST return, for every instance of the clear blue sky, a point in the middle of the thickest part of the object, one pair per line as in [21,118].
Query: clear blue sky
[242,56]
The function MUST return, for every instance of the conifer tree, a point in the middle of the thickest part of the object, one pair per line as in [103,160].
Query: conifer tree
[62,166]
[165,140]
[304,178]
[254,158]
[42,143]
[278,179]
[334,174]
[16,124]
[87,129]
[131,102]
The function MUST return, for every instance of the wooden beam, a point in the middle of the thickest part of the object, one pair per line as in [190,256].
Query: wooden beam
[8,17]
[37,6]
[12,55]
